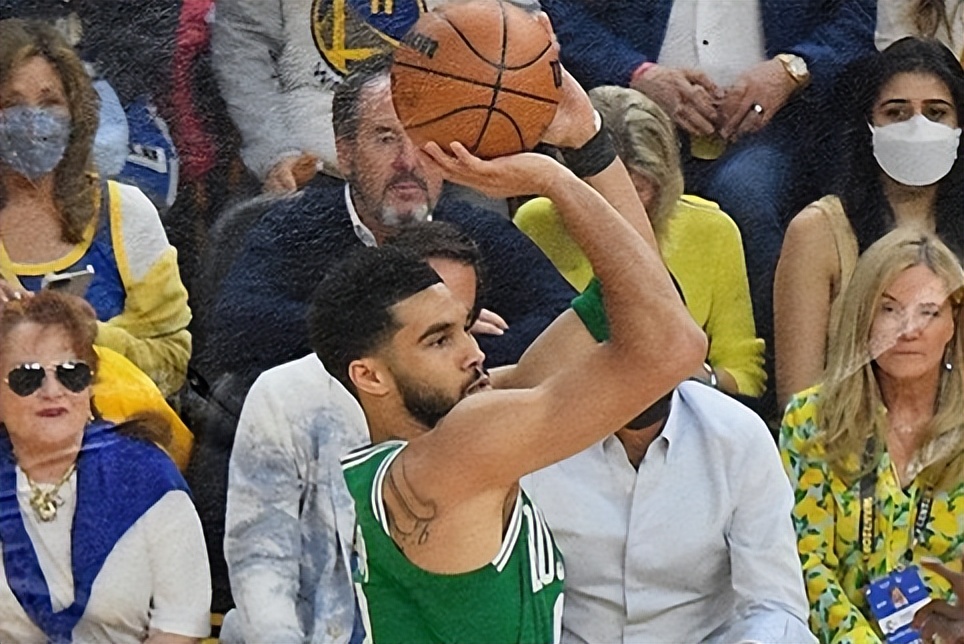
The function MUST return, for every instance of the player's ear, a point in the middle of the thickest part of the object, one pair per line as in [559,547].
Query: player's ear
[368,376]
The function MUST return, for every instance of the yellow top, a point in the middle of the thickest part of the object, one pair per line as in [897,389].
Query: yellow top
[121,391]
[827,520]
[704,252]
[151,331]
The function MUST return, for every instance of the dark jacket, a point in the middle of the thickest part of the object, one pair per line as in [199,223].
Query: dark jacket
[258,319]
[604,41]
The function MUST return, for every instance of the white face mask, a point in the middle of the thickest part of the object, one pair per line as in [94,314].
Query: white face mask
[916,152]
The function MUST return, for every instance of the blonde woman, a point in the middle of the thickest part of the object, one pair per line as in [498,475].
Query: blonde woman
[878,448]
[700,244]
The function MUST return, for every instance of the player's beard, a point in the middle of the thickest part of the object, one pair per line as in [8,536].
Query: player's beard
[428,405]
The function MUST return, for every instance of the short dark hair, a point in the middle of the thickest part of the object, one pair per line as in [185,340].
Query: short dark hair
[442,240]
[350,314]
[347,96]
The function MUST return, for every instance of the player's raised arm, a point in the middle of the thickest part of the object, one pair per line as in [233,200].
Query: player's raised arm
[489,440]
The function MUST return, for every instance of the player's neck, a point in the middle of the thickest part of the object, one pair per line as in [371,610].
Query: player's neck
[390,423]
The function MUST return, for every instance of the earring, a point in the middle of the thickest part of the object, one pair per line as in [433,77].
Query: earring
[948,366]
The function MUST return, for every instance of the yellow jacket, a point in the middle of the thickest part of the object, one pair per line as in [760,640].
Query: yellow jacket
[704,251]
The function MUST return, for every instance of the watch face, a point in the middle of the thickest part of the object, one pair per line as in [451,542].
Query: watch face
[798,67]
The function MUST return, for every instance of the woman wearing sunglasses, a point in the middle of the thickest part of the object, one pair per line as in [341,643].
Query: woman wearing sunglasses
[100,539]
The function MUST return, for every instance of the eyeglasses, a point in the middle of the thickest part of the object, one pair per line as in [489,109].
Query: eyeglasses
[26,379]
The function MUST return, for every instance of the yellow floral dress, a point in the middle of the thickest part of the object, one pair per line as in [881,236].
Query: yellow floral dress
[826,516]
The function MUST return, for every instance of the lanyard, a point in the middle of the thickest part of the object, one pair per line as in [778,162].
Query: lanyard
[868,508]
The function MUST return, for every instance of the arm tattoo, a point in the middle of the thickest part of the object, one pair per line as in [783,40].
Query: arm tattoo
[415,514]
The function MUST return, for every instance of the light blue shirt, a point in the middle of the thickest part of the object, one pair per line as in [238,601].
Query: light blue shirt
[290,518]
[697,545]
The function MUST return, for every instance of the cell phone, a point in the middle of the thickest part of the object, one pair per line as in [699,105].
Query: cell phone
[74,283]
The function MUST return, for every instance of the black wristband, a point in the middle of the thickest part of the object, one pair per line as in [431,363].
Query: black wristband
[592,158]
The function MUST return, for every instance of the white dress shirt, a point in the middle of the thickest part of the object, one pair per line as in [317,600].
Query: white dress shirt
[697,545]
[723,38]
[363,232]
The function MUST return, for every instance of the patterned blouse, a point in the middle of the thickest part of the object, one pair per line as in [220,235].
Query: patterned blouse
[826,516]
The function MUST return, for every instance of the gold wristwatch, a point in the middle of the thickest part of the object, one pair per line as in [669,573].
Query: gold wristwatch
[796,68]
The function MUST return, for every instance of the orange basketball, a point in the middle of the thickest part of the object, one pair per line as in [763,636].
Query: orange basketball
[481,72]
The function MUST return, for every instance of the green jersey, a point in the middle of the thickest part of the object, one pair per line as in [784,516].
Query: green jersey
[515,598]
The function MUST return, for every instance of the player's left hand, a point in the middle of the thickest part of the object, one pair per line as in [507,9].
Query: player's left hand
[489,323]
[767,85]
[526,173]
[940,620]
[575,121]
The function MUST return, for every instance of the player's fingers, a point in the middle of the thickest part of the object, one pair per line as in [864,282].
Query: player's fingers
[484,328]
[438,156]
[490,317]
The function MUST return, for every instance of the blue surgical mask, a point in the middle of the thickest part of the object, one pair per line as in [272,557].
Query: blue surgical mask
[33,139]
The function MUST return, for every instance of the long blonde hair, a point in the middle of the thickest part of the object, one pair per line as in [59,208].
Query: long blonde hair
[851,409]
[646,141]
[74,184]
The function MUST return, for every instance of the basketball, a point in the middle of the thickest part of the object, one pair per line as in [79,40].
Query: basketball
[481,72]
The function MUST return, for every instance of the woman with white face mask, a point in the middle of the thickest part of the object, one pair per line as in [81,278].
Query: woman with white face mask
[901,164]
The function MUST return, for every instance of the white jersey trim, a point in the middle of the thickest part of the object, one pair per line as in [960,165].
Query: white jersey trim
[362,454]
[511,535]
[378,496]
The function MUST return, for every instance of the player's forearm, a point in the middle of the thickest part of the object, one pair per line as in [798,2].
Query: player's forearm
[614,184]
[641,302]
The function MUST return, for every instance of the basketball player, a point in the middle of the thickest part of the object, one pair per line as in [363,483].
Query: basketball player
[447,546]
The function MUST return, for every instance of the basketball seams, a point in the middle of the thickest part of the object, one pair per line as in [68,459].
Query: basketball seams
[458,79]
[498,80]
[468,43]
[515,68]
[471,81]
[468,108]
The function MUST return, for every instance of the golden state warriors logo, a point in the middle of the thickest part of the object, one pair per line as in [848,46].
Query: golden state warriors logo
[349,31]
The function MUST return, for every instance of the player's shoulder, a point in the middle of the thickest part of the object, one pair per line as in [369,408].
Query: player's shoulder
[371,454]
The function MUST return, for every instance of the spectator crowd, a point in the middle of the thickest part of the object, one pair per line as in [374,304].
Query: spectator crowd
[689,371]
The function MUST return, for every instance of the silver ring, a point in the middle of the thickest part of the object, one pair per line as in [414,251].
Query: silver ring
[756,107]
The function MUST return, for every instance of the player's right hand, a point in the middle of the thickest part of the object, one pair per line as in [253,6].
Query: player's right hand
[526,173]
[688,96]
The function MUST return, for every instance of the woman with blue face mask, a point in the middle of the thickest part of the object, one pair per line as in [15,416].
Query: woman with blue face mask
[900,163]
[57,216]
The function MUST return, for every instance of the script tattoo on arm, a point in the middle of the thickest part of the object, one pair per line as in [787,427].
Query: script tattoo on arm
[411,516]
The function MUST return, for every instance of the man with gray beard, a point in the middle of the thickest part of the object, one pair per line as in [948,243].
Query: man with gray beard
[257,321]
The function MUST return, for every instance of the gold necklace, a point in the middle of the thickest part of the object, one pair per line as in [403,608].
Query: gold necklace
[45,503]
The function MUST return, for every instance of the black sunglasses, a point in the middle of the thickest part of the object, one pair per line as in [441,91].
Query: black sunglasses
[26,379]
